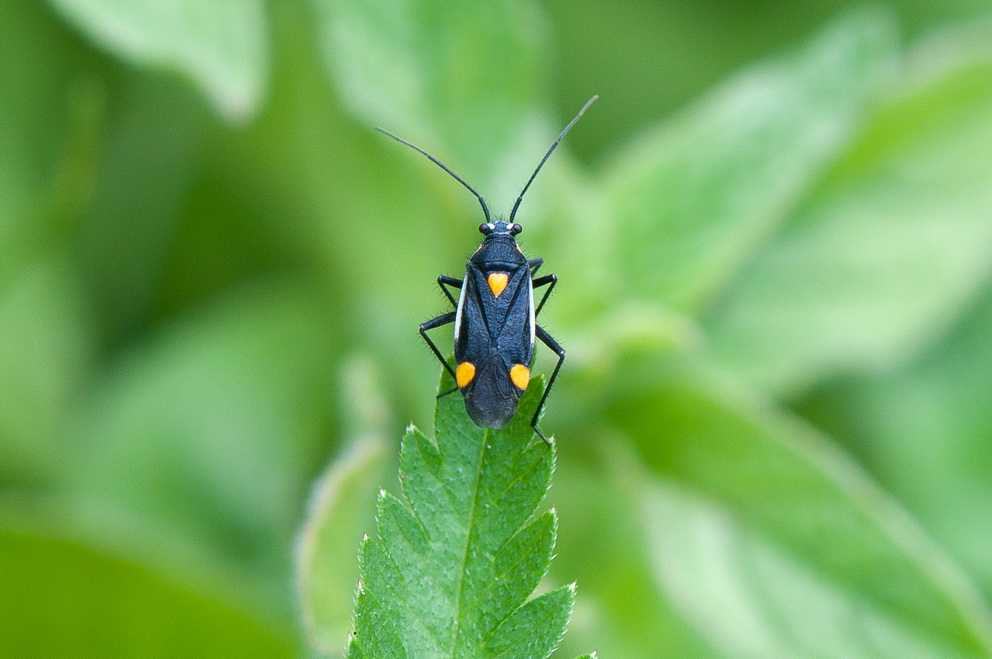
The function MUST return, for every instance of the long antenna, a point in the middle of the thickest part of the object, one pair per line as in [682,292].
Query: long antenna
[485,209]
[547,155]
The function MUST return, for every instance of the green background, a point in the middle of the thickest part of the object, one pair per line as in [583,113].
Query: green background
[773,236]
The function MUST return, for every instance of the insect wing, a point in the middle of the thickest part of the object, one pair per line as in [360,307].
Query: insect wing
[515,309]
[472,339]
[491,401]
[492,336]
[486,322]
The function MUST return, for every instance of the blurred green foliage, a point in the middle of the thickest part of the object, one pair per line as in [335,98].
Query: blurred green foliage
[774,248]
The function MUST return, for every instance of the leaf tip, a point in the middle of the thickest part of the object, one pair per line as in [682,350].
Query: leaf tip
[352,637]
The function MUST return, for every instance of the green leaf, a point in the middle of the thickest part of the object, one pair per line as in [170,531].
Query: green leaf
[39,91]
[459,74]
[925,430]
[694,198]
[341,508]
[61,598]
[207,436]
[221,44]
[753,516]
[718,569]
[326,565]
[168,123]
[889,249]
[46,352]
[622,613]
[453,563]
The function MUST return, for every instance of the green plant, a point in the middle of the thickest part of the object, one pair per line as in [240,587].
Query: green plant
[774,416]
[452,564]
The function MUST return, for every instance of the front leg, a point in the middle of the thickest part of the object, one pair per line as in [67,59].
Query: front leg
[443,281]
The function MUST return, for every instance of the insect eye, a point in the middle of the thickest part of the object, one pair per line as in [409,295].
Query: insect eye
[515,229]
[486,228]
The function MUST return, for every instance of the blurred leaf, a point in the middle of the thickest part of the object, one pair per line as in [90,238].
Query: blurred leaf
[47,146]
[886,253]
[45,352]
[926,431]
[619,610]
[46,156]
[129,222]
[759,521]
[341,510]
[695,198]
[221,44]
[563,218]
[39,82]
[719,571]
[326,567]
[209,434]
[453,564]
[457,75]
[59,598]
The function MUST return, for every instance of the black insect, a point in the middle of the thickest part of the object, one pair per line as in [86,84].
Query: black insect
[494,315]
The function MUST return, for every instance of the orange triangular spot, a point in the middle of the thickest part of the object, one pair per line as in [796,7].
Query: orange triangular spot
[497,282]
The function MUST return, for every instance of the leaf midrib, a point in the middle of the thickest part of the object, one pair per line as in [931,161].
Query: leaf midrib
[468,539]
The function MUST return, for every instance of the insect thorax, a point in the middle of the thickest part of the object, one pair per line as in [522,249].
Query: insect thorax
[498,251]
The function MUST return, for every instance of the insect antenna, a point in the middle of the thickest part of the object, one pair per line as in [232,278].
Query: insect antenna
[547,155]
[485,209]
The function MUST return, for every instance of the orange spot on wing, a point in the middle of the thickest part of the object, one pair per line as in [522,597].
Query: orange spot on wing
[497,282]
[464,374]
[520,375]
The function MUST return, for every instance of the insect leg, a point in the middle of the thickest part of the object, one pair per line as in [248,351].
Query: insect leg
[544,281]
[534,264]
[445,280]
[558,350]
[433,323]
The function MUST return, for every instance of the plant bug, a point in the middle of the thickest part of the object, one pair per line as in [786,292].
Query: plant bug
[495,316]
